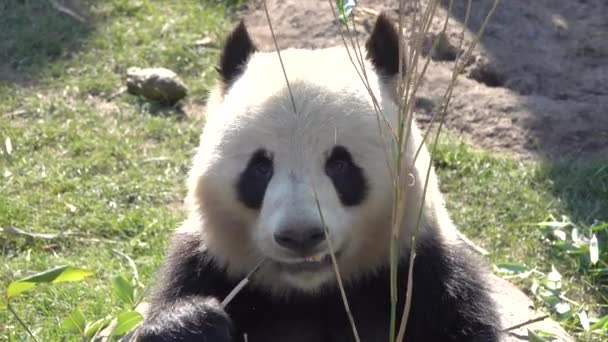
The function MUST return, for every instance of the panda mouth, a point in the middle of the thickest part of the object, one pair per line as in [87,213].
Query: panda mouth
[310,264]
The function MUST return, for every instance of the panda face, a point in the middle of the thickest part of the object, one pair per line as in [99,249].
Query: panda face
[300,174]
[270,183]
[283,186]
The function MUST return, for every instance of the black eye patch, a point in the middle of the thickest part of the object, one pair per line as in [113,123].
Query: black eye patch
[348,178]
[252,182]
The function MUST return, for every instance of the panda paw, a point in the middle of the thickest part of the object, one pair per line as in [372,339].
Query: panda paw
[188,319]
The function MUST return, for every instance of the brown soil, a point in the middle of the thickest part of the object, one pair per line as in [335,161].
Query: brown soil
[538,83]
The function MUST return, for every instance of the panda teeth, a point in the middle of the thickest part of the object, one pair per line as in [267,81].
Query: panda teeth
[314,258]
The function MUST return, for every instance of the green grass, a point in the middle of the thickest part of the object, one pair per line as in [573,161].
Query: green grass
[497,200]
[109,174]
[498,203]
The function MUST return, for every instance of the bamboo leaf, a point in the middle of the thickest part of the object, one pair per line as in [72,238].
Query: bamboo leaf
[123,289]
[58,274]
[75,322]
[126,321]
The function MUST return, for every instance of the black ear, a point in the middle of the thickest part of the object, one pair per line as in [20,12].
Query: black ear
[237,49]
[383,47]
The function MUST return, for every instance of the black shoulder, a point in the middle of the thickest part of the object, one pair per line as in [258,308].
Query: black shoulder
[187,319]
[185,303]
[190,270]
[450,287]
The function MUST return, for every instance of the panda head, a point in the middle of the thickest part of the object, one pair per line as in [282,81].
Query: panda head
[266,181]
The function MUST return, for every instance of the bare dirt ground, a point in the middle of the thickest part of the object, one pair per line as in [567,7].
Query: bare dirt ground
[538,83]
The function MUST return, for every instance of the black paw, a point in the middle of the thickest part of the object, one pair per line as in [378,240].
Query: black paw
[189,319]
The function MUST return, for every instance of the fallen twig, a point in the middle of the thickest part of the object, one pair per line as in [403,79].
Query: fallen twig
[61,8]
[18,112]
[466,240]
[523,324]
[154,160]
[368,10]
[114,95]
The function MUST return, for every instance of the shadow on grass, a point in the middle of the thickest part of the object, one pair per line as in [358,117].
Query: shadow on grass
[582,189]
[161,109]
[35,33]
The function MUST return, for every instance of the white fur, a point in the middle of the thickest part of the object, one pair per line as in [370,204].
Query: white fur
[333,107]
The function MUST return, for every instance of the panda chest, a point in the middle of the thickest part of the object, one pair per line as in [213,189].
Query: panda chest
[322,320]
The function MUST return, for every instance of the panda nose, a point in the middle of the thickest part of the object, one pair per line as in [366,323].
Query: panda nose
[300,239]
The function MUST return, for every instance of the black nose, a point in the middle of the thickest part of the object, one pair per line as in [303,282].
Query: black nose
[300,239]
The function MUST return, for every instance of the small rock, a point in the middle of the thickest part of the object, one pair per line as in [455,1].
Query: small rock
[524,85]
[485,72]
[424,104]
[439,46]
[205,42]
[157,84]
[560,24]
[595,46]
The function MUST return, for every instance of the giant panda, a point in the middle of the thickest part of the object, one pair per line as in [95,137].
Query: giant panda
[269,181]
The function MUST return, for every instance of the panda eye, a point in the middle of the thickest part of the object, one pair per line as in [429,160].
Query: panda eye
[347,177]
[262,167]
[339,162]
[253,180]
[336,167]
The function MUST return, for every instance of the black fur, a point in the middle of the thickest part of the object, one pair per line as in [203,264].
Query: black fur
[188,319]
[181,309]
[348,178]
[237,50]
[383,47]
[450,303]
[252,182]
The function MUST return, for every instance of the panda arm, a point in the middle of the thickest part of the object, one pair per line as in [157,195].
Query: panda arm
[185,304]
[449,287]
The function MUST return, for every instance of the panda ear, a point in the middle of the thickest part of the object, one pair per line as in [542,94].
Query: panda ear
[383,47]
[237,50]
